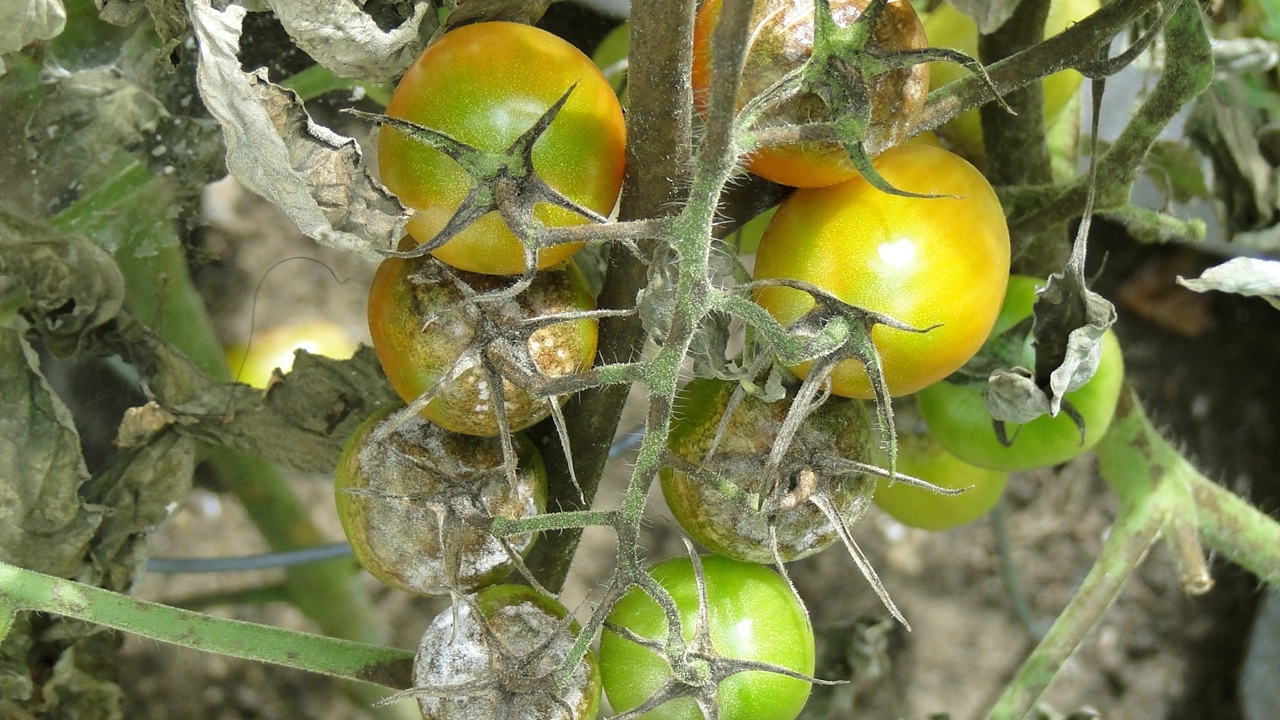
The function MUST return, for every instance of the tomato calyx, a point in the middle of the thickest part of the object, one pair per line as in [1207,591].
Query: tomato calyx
[697,667]
[505,182]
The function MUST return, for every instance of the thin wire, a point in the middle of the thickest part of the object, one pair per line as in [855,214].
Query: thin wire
[241,563]
[316,553]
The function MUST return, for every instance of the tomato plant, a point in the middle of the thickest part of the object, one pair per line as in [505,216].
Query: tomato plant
[956,412]
[781,40]
[414,504]
[423,330]
[728,509]
[948,27]
[485,85]
[906,257]
[497,658]
[921,456]
[753,616]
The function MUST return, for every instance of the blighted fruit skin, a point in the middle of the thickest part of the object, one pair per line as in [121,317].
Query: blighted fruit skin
[520,621]
[781,41]
[421,329]
[393,493]
[733,525]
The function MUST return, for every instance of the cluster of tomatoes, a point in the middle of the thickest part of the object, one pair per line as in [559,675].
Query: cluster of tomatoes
[500,127]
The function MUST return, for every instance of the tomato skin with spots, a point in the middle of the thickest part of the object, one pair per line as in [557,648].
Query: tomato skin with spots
[781,40]
[417,354]
[485,85]
[938,262]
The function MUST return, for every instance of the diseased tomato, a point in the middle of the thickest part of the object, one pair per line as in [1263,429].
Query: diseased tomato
[486,84]
[721,509]
[414,504]
[924,261]
[919,455]
[957,415]
[422,329]
[511,668]
[753,616]
[781,40]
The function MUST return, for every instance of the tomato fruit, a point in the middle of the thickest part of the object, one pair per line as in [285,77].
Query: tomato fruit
[733,526]
[920,455]
[610,55]
[485,85]
[273,349]
[393,491]
[415,355]
[924,261]
[957,415]
[781,40]
[513,666]
[947,27]
[753,616]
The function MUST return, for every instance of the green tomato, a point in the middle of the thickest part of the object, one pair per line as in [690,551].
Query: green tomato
[947,27]
[753,616]
[919,455]
[957,413]
[609,57]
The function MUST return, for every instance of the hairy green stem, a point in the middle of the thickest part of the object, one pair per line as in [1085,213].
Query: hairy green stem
[1134,532]
[26,590]
[659,145]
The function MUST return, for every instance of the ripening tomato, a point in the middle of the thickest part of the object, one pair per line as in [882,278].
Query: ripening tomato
[753,616]
[940,261]
[947,27]
[781,40]
[422,328]
[956,412]
[486,84]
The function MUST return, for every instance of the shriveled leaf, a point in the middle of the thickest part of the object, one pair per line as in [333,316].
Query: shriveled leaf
[302,422]
[1242,276]
[988,14]
[63,284]
[1013,396]
[345,38]
[1227,130]
[1234,57]
[23,22]
[43,523]
[466,12]
[139,490]
[274,148]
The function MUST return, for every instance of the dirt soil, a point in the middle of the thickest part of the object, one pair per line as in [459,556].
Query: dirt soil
[1204,364]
